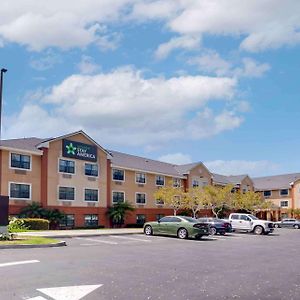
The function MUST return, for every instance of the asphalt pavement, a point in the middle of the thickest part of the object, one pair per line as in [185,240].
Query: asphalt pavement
[237,266]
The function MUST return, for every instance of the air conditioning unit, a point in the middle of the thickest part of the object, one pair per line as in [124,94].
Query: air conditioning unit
[66,203]
[20,172]
[67,176]
[119,182]
[91,178]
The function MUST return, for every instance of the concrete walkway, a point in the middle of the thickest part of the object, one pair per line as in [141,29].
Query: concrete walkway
[85,232]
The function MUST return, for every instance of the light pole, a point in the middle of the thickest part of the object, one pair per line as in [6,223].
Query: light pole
[3,199]
[1,89]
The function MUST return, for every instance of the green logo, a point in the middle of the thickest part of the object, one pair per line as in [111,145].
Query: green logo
[71,149]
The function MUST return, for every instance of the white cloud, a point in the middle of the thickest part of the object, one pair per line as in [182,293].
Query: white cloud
[122,107]
[182,42]
[87,65]
[59,23]
[47,61]
[238,167]
[212,63]
[176,158]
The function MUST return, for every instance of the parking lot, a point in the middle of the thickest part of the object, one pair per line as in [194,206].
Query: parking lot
[236,266]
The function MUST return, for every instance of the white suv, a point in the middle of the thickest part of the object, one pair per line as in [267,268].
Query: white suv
[250,223]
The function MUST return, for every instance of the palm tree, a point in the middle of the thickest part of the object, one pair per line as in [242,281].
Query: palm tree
[54,216]
[33,210]
[118,211]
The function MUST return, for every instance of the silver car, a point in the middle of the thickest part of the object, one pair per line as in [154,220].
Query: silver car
[288,223]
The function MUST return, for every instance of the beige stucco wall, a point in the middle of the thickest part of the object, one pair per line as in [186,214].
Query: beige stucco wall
[201,174]
[247,184]
[130,187]
[297,194]
[79,180]
[276,198]
[32,177]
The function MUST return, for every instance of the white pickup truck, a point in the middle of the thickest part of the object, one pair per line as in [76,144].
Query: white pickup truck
[250,223]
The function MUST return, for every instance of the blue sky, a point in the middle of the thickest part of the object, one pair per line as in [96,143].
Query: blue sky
[179,81]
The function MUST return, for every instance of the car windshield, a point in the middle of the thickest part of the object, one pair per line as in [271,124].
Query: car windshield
[253,217]
[189,219]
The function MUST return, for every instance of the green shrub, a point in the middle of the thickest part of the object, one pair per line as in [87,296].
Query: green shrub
[16,225]
[36,224]
[7,236]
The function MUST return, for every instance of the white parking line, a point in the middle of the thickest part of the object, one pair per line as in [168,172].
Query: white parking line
[129,238]
[98,241]
[15,263]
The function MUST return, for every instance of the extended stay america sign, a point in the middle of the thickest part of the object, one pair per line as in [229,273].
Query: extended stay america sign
[78,150]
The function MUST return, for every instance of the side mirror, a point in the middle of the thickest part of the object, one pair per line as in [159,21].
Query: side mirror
[158,221]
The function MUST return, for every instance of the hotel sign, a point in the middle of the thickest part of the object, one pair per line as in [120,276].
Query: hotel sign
[78,150]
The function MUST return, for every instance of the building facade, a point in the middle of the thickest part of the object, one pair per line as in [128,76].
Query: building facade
[76,175]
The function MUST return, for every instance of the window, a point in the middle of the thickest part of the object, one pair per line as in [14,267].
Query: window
[91,220]
[118,197]
[284,203]
[67,221]
[140,219]
[267,193]
[195,183]
[66,193]
[245,218]
[140,198]
[140,177]
[66,166]
[91,170]
[235,217]
[159,202]
[176,182]
[90,195]
[159,216]
[284,192]
[20,191]
[20,161]
[170,219]
[160,180]
[118,174]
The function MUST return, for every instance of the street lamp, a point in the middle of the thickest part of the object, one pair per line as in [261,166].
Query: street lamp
[1,88]
[3,199]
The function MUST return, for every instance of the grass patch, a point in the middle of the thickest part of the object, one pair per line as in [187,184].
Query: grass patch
[29,240]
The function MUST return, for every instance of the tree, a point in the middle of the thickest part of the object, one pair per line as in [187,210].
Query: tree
[218,198]
[54,216]
[194,200]
[32,210]
[171,196]
[118,211]
[248,202]
[295,212]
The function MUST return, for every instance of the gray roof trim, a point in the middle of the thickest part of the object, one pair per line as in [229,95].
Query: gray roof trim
[37,152]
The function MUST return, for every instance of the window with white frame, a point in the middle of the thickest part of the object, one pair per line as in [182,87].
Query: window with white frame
[176,182]
[91,220]
[159,202]
[284,203]
[140,198]
[195,183]
[284,192]
[118,197]
[267,193]
[20,191]
[160,180]
[66,193]
[91,195]
[140,177]
[20,161]
[67,166]
[91,169]
[67,221]
[118,174]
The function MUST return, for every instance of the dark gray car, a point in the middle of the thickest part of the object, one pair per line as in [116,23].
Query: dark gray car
[217,225]
[288,223]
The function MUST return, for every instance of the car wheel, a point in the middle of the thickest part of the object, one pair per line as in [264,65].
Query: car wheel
[222,233]
[182,233]
[213,231]
[258,230]
[296,226]
[148,230]
[276,225]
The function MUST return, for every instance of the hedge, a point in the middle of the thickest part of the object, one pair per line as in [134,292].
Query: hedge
[36,224]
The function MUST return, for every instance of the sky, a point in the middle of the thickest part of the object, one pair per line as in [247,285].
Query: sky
[180,81]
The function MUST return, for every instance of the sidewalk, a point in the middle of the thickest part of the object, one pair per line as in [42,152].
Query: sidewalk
[80,233]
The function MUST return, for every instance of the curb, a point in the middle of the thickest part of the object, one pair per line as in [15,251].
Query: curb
[89,235]
[24,246]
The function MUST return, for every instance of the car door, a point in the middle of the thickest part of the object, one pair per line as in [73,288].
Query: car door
[163,225]
[235,221]
[245,222]
[286,223]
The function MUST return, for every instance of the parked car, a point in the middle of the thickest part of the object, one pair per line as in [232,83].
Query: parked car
[250,223]
[289,223]
[217,225]
[180,226]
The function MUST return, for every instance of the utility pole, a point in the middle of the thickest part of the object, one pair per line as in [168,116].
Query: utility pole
[1,89]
